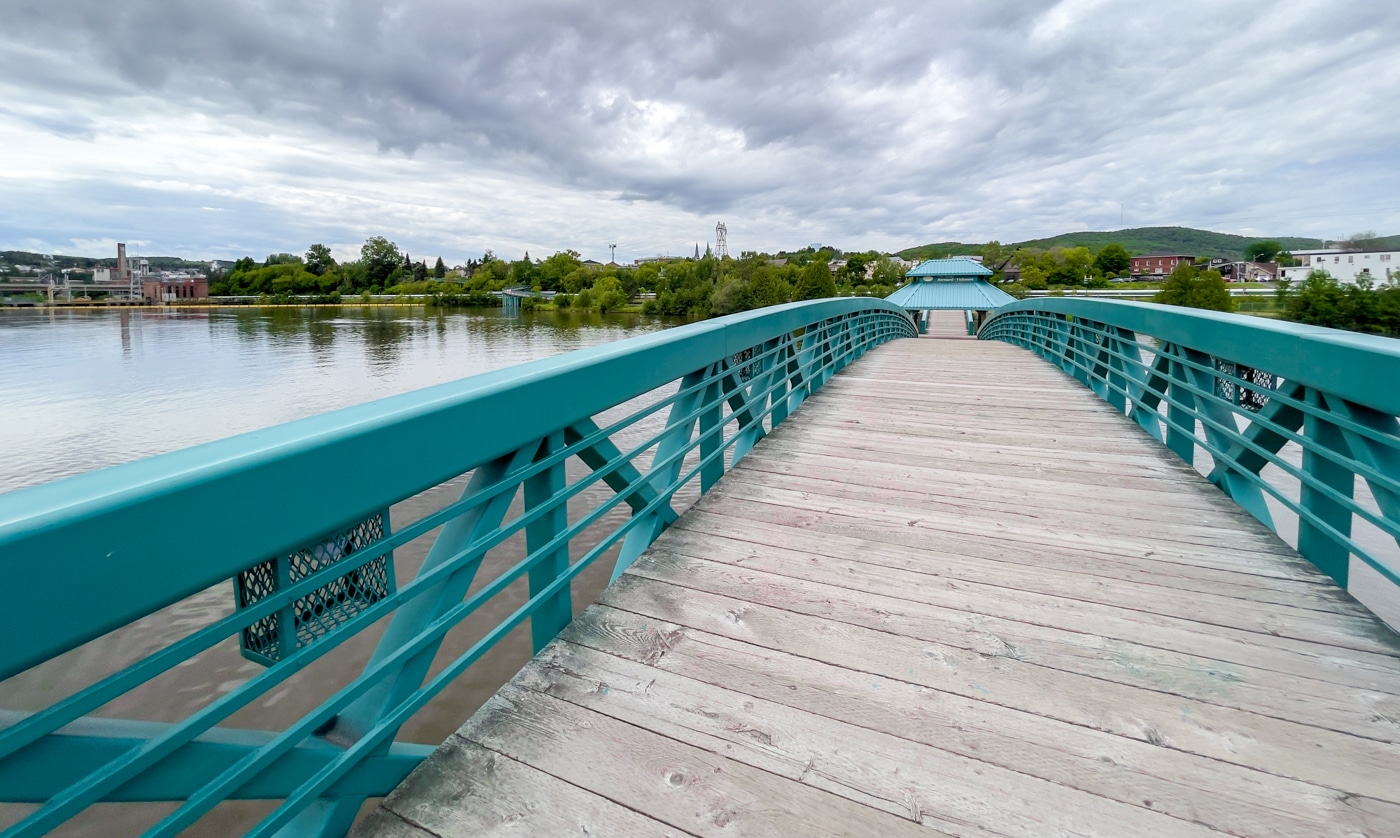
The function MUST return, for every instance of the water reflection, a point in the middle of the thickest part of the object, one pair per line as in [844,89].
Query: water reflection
[82,389]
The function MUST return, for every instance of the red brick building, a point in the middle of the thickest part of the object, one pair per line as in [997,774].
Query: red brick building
[175,290]
[1154,264]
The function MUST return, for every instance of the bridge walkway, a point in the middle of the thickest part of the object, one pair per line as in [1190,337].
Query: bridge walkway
[957,592]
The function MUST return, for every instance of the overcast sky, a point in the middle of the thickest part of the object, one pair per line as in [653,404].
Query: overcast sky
[221,129]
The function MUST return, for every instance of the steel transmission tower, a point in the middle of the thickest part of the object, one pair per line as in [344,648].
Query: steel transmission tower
[721,241]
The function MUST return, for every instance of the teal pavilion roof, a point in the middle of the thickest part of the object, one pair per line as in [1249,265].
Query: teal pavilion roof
[958,267]
[949,284]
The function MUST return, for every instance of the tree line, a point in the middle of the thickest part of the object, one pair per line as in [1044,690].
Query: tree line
[1365,306]
[687,287]
[1319,300]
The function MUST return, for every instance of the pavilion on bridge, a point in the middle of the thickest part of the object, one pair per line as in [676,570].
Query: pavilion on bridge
[955,284]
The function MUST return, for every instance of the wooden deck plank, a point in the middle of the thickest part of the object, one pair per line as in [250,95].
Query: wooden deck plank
[495,795]
[926,526]
[1370,712]
[876,572]
[1290,749]
[957,593]
[1225,797]
[893,504]
[991,564]
[924,607]
[690,788]
[934,786]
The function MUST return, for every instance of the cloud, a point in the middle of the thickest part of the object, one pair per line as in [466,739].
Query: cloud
[565,124]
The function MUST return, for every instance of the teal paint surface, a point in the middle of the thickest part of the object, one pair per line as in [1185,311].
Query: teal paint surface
[943,295]
[95,552]
[1241,388]
[955,267]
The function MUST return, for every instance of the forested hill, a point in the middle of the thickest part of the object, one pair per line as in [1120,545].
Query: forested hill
[159,263]
[1138,240]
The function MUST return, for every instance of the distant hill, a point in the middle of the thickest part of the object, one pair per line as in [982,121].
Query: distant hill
[1139,240]
[939,250]
[159,263]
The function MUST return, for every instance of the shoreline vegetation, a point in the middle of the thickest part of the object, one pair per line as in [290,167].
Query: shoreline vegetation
[706,286]
[697,287]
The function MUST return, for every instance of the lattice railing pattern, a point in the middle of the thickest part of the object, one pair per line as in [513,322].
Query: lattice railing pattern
[548,451]
[1287,432]
[337,601]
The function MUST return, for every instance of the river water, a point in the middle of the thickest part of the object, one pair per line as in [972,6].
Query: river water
[82,390]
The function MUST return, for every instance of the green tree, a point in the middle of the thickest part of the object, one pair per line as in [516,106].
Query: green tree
[1193,288]
[815,282]
[1076,264]
[997,256]
[550,273]
[1318,300]
[1262,251]
[887,272]
[439,269]
[854,270]
[731,294]
[769,288]
[319,259]
[381,259]
[1113,259]
[608,294]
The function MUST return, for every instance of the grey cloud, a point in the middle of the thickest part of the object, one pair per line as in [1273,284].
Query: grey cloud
[894,117]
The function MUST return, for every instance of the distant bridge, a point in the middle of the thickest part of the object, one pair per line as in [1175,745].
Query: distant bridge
[928,584]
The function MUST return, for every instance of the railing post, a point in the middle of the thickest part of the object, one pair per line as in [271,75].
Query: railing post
[334,817]
[1179,415]
[782,374]
[1317,545]
[1117,343]
[1381,458]
[712,430]
[552,615]
[771,374]
[1224,475]
[680,424]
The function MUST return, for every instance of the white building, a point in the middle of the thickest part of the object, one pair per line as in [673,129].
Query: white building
[1344,265]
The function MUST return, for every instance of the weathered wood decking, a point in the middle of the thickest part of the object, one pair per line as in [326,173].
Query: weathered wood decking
[954,592]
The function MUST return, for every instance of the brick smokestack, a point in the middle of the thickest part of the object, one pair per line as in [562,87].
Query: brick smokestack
[121,262]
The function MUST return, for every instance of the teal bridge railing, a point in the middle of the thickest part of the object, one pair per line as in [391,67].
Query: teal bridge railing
[1296,423]
[293,524]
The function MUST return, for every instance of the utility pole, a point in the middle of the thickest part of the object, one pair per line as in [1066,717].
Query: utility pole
[613,248]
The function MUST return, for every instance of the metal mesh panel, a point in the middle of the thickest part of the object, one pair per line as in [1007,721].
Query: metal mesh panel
[318,613]
[743,362]
[1249,398]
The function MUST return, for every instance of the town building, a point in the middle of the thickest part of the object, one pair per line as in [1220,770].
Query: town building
[1158,264]
[1345,266]
[1246,271]
[175,289]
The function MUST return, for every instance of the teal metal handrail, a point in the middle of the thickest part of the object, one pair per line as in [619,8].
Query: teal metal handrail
[1244,390]
[297,516]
